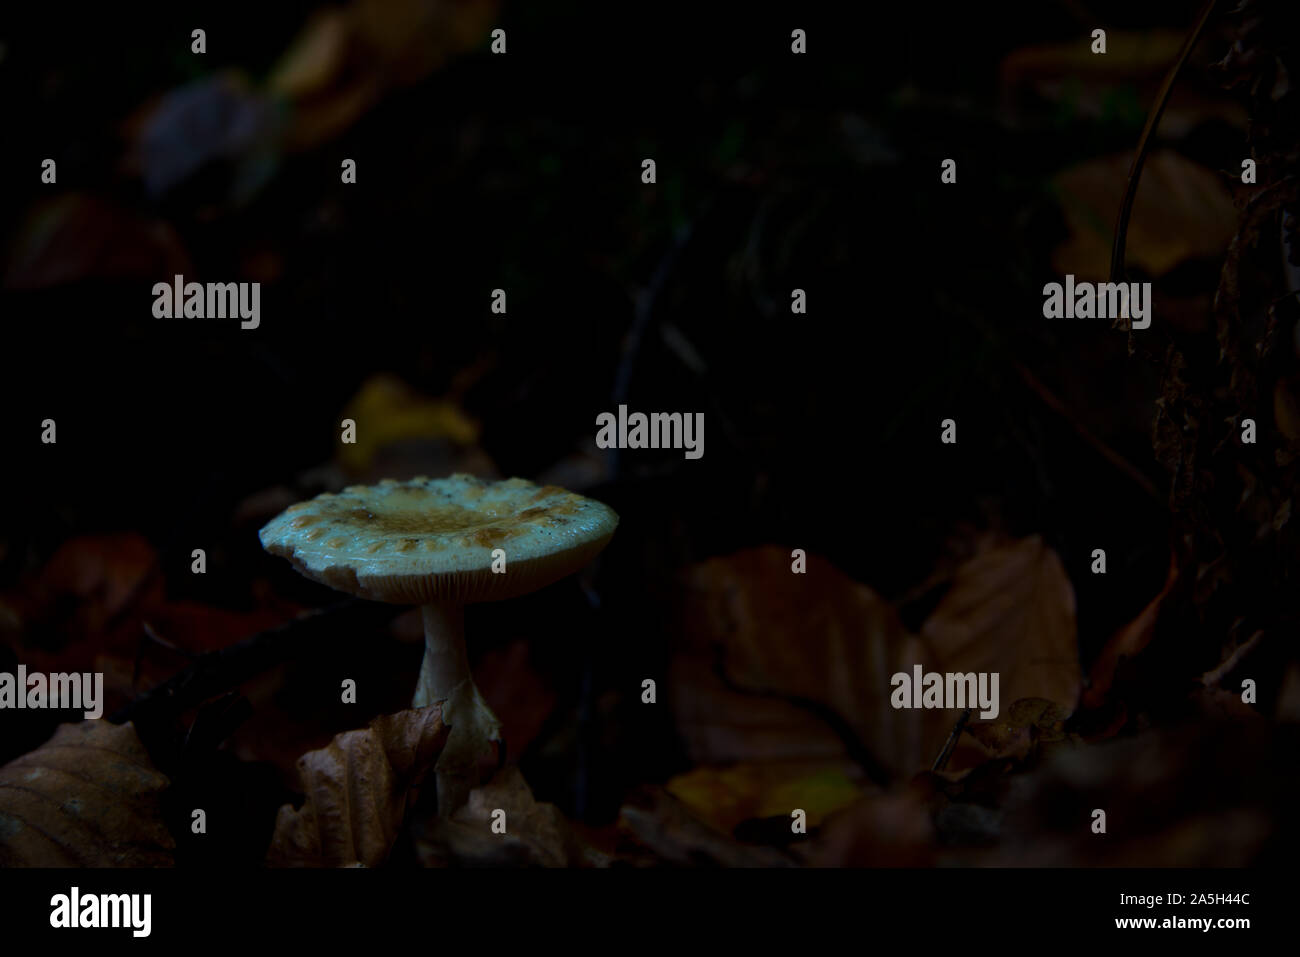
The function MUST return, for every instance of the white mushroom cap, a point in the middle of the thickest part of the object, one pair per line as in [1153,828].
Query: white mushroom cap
[431,540]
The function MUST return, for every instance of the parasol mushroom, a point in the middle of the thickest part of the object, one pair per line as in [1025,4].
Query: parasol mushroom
[430,542]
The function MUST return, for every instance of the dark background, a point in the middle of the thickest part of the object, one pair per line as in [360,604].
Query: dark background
[523,172]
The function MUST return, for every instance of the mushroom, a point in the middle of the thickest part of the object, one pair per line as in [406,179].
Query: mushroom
[434,543]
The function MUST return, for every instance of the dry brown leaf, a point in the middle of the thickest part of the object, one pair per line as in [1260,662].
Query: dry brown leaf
[1210,770]
[536,834]
[787,640]
[104,574]
[514,691]
[1025,723]
[88,797]
[882,830]
[1182,211]
[358,788]
[722,725]
[1128,55]
[1288,697]
[1011,611]
[654,819]
[1286,410]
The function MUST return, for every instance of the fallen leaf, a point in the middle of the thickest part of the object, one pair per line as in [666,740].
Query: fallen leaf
[78,236]
[89,591]
[722,725]
[1182,211]
[346,59]
[358,789]
[1076,83]
[654,819]
[196,628]
[882,830]
[387,411]
[1025,723]
[536,834]
[107,571]
[1010,611]
[514,691]
[724,797]
[316,56]
[1286,410]
[88,797]
[799,653]
[1288,697]
[1229,814]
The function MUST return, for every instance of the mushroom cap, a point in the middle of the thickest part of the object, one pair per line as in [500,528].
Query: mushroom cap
[431,540]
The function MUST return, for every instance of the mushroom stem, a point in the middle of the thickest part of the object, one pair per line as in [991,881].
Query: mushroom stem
[446,663]
[445,680]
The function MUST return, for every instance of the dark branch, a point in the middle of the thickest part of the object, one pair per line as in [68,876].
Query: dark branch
[219,671]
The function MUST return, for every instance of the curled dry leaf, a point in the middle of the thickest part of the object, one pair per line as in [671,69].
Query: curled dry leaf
[535,834]
[1025,723]
[88,797]
[1010,611]
[358,788]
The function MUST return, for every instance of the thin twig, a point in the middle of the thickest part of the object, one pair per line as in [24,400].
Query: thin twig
[950,745]
[1148,137]
[644,301]
[1104,450]
[1049,398]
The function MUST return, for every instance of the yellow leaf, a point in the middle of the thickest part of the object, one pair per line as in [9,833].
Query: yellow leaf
[724,797]
[387,410]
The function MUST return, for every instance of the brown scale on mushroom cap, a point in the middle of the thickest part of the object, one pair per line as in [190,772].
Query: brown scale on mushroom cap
[431,540]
